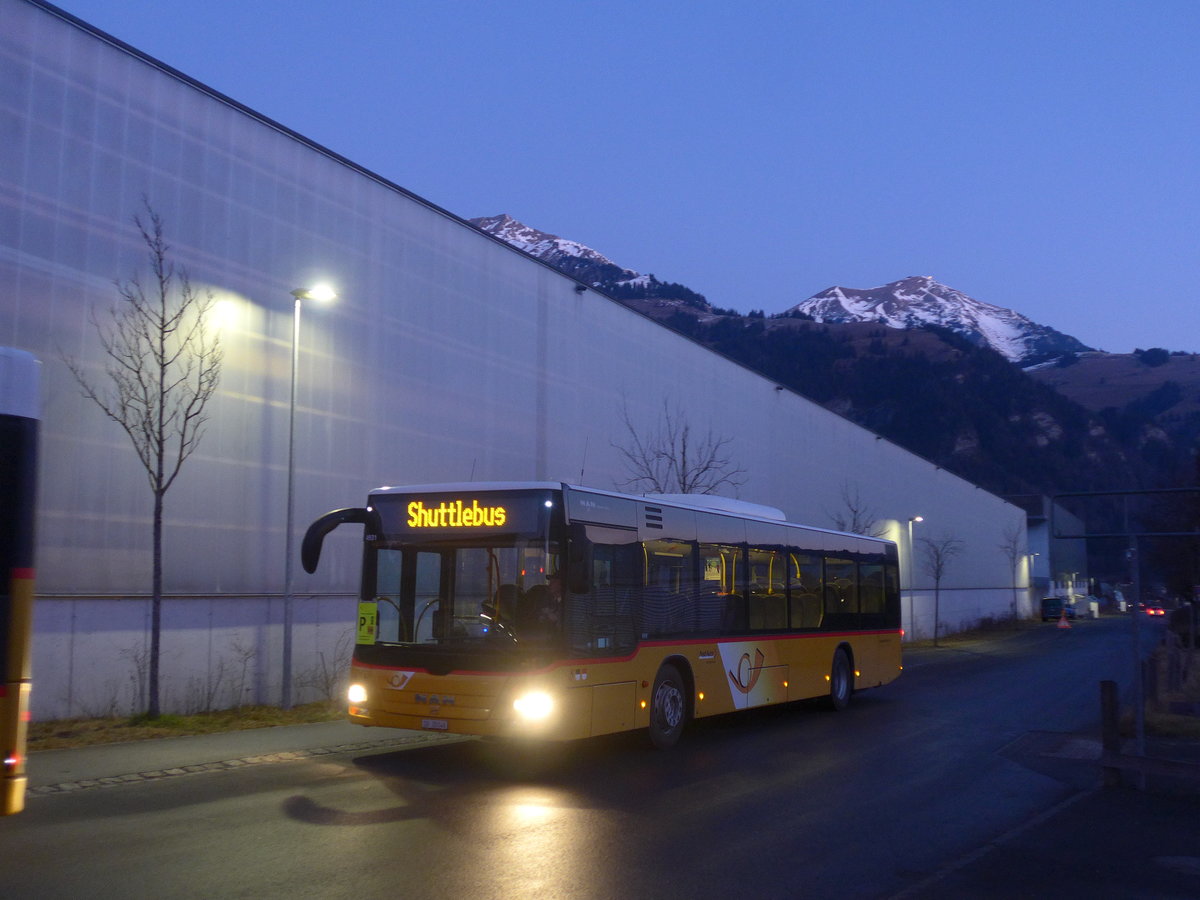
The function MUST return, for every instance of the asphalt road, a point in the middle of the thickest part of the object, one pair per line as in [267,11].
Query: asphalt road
[793,802]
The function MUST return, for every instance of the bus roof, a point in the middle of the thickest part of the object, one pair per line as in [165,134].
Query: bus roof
[453,487]
[707,503]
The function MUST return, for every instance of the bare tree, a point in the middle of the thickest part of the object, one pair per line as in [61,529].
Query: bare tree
[937,553]
[670,459]
[162,367]
[856,517]
[1013,549]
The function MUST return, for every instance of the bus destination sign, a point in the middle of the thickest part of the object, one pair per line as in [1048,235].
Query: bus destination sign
[438,516]
[455,514]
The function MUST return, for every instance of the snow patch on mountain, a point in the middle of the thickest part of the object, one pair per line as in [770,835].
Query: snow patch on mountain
[570,256]
[586,265]
[920,301]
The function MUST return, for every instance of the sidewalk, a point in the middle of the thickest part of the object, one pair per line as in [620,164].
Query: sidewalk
[58,771]
[1103,843]
[1099,843]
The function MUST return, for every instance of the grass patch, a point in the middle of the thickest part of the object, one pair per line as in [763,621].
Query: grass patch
[987,628]
[1172,725]
[1183,688]
[68,733]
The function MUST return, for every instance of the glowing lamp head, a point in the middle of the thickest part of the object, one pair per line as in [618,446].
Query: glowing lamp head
[535,706]
[321,293]
[226,313]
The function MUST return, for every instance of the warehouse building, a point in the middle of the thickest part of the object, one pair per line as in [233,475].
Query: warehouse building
[447,356]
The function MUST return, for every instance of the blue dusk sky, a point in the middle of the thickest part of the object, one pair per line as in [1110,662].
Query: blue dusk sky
[1039,155]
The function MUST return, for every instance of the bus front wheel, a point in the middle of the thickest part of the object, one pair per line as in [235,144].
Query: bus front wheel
[668,708]
[841,681]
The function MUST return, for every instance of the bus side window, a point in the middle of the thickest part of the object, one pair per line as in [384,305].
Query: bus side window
[891,595]
[807,605]
[841,593]
[768,590]
[870,593]
[715,587]
[730,561]
[607,618]
[669,598]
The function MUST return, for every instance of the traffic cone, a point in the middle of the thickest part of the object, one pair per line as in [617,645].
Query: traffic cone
[1062,620]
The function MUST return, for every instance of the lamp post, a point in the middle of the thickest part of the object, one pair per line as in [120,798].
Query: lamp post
[323,294]
[912,615]
[1030,583]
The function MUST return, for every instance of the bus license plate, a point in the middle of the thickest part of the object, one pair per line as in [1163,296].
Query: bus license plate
[435,724]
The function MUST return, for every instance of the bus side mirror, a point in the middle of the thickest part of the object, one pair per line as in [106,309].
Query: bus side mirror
[310,549]
[579,559]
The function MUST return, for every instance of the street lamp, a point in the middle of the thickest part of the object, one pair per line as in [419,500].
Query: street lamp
[321,293]
[1030,576]
[912,616]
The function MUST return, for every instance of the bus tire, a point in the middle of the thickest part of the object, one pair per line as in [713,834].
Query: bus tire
[668,708]
[841,681]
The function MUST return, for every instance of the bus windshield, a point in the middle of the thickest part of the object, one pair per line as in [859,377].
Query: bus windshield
[506,593]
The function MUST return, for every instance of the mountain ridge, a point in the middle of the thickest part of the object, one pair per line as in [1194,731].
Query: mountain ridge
[918,363]
[918,301]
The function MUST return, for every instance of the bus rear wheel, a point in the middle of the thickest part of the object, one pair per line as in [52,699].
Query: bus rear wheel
[668,708]
[841,681]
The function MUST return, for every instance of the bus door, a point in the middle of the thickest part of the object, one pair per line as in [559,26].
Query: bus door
[427,594]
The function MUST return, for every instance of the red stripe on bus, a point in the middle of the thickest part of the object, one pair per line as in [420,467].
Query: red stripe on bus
[23,574]
[593,661]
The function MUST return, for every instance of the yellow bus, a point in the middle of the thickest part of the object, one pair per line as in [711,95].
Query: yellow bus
[18,468]
[559,612]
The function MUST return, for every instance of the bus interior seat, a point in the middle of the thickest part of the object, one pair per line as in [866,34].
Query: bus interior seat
[507,602]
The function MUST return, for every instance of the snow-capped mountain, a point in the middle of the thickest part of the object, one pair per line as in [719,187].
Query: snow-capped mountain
[567,256]
[586,265]
[910,303]
[920,301]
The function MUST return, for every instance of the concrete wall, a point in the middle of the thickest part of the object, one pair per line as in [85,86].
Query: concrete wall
[448,357]
[91,656]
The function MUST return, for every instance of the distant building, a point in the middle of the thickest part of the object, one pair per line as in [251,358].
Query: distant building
[1058,565]
[449,356]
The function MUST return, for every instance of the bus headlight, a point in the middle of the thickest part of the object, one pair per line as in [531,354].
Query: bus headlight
[357,694]
[534,706]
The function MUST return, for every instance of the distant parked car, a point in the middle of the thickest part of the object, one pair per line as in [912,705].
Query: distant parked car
[1053,608]
[1152,609]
